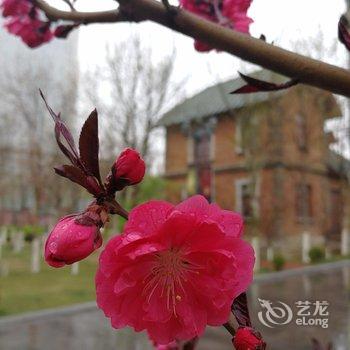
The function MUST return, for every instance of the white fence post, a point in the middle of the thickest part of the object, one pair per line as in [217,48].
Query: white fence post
[305,247]
[35,259]
[344,242]
[3,238]
[43,241]
[18,242]
[75,268]
[256,247]
[270,254]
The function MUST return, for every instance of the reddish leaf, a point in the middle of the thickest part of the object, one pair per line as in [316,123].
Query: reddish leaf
[61,129]
[68,153]
[89,145]
[241,311]
[63,31]
[76,175]
[256,85]
[344,32]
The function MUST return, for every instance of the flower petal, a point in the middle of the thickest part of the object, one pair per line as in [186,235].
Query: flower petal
[147,218]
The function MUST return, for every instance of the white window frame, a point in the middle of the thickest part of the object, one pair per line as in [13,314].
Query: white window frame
[238,190]
[238,136]
[238,195]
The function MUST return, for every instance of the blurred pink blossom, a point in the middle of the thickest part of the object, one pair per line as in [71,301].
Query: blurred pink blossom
[32,31]
[228,13]
[15,7]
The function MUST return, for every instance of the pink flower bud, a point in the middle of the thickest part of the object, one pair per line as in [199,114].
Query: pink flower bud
[247,338]
[129,167]
[70,241]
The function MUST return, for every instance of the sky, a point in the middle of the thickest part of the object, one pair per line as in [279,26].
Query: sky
[282,21]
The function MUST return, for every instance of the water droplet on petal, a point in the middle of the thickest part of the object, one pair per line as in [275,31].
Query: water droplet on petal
[142,224]
[53,247]
[132,237]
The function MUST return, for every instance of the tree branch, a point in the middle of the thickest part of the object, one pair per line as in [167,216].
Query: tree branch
[55,14]
[306,70]
[230,327]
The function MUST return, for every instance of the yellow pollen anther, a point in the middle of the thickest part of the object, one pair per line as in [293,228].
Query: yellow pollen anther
[178,298]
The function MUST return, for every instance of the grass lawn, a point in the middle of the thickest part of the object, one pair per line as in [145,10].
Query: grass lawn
[22,291]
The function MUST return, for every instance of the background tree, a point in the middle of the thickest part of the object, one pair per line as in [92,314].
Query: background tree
[131,91]
[28,152]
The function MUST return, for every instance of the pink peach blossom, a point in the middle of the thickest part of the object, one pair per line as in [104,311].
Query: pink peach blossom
[228,13]
[174,270]
[32,31]
[70,241]
[15,7]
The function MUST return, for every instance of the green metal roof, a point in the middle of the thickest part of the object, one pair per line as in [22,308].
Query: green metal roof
[338,163]
[217,99]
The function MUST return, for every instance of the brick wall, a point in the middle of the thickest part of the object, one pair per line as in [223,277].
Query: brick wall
[272,157]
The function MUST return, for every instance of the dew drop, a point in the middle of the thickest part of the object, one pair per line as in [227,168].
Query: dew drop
[53,247]
[132,237]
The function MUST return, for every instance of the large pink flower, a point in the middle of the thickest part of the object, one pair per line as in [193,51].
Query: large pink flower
[228,13]
[174,270]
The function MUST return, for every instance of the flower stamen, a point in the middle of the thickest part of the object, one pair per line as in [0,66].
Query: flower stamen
[169,273]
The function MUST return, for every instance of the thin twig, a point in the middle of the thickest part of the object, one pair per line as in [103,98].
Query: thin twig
[55,14]
[230,328]
[118,209]
[69,4]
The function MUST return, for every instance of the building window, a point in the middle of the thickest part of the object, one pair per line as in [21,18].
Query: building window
[244,198]
[202,148]
[303,202]
[301,132]
[190,149]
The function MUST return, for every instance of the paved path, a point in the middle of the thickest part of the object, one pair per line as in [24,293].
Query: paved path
[83,327]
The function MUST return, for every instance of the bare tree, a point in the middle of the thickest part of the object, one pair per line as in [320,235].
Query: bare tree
[27,148]
[133,90]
